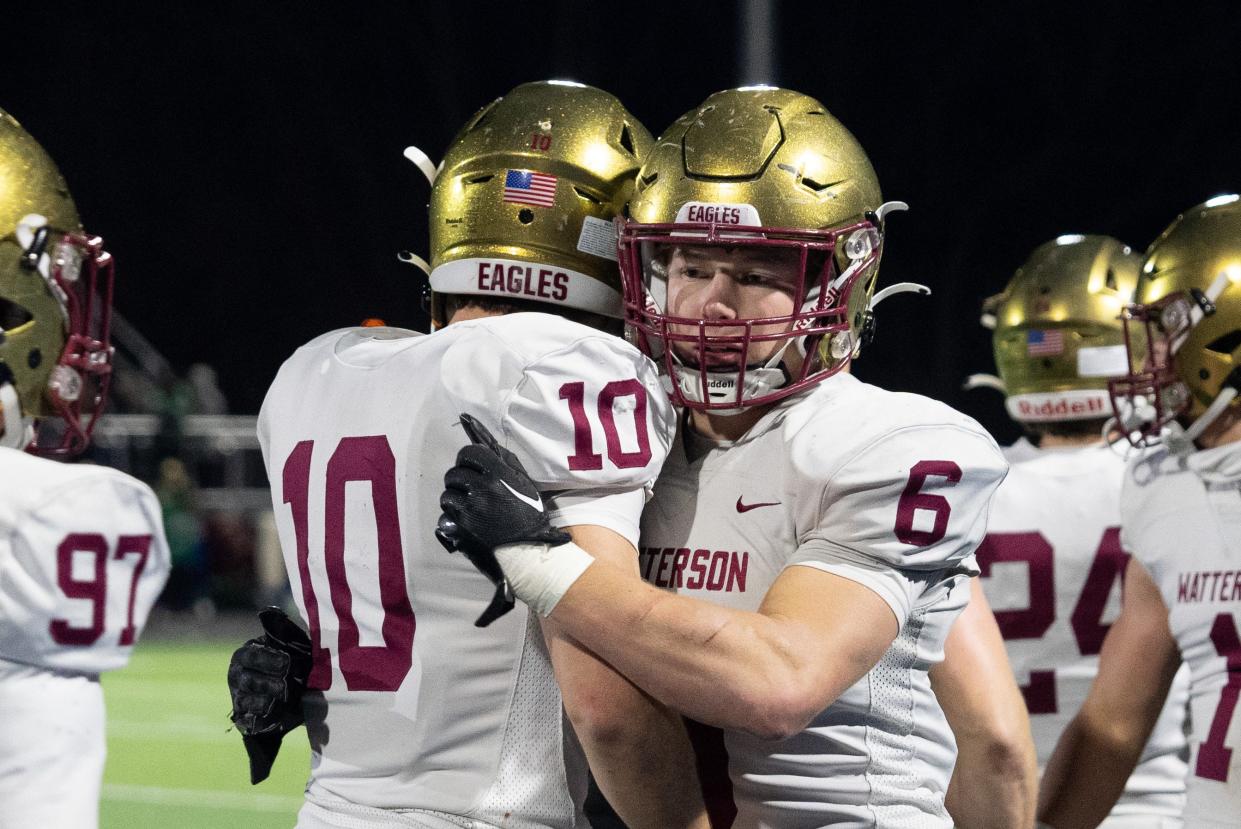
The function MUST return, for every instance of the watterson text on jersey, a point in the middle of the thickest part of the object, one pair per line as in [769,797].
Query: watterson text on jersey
[1209,586]
[714,570]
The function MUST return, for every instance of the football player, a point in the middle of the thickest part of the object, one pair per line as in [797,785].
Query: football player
[1052,559]
[416,717]
[812,536]
[1181,520]
[82,549]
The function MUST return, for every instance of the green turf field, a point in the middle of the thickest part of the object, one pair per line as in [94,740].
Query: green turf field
[172,760]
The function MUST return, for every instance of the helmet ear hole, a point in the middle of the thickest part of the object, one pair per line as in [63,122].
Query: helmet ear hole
[1226,344]
[626,140]
[815,186]
[13,315]
[525,215]
[481,117]
[587,195]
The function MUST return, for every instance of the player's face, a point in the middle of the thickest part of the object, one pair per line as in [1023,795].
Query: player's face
[719,284]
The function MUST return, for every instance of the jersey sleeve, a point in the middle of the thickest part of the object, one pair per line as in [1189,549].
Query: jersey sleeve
[620,512]
[908,504]
[83,569]
[582,411]
[1143,511]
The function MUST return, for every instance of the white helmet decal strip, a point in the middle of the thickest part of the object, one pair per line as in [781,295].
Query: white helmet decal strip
[1070,404]
[1102,361]
[526,280]
[742,215]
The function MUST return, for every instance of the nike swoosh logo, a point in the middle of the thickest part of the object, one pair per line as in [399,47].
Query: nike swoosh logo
[747,507]
[534,503]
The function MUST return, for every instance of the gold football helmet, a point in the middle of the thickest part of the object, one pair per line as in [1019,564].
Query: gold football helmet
[770,169]
[1184,332]
[1058,337]
[55,305]
[524,203]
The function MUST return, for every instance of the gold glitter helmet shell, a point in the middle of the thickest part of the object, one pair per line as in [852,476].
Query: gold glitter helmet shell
[524,204]
[1184,330]
[1058,337]
[55,304]
[767,168]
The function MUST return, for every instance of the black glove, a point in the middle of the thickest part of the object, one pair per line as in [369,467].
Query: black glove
[266,678]
[489,501]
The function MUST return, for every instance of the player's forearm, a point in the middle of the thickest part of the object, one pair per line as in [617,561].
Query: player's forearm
[995,781]
[1101,746]
[646,768]
[1088,770]
[994,785]
[723,667]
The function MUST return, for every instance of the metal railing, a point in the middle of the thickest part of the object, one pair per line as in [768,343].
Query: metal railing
[220,452]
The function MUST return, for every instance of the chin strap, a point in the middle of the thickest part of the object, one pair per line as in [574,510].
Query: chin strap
[1180,441]
[898,288]
[427,167]
[17,434]
[408,258]
[423,162]
[984,381]
[758,382]
[890,207]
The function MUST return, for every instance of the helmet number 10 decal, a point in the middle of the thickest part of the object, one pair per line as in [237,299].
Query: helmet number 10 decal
[584,457]
[1033,621]
[365,460]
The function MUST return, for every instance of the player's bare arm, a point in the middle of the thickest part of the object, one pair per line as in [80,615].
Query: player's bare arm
[1098,751]
[637,748]
[761,672]
[995,781]
[766,673]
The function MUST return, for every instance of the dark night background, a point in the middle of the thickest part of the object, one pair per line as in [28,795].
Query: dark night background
[243,160]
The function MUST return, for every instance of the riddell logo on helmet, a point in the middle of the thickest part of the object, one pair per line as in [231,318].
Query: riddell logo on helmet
[1075,404]
[523,280]
[1064,407]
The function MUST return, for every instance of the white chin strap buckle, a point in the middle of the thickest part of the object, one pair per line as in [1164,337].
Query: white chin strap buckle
[405,257]
[898,288]
[984,381]
[890,207]
[17,434]
[423,162]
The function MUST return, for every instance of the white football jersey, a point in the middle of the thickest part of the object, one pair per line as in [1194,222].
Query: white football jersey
[886,489]
[82,559]
[1019,450]
[412,706]
[1052,566]
[1182,520]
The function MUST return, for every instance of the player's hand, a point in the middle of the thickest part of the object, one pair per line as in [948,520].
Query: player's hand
[266,678]
[489,501]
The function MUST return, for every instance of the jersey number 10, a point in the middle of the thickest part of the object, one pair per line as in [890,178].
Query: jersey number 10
[364,667]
